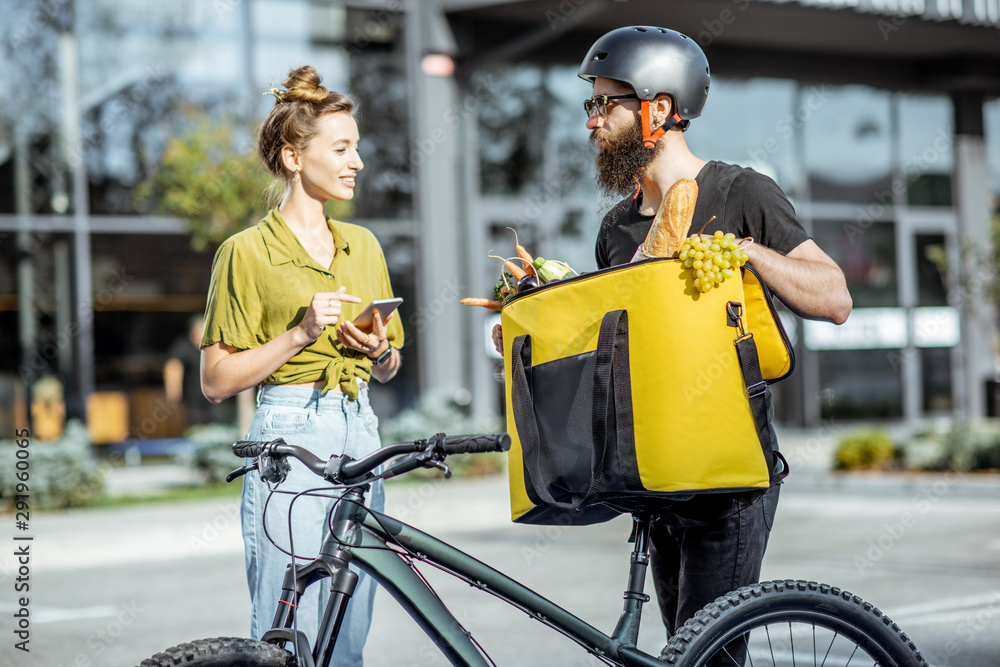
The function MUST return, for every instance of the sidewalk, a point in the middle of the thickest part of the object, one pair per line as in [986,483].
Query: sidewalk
[809,453]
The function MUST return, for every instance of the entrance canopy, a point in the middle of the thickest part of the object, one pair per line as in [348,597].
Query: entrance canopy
[944,46]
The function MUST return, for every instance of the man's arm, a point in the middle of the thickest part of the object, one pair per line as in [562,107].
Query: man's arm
[806,280]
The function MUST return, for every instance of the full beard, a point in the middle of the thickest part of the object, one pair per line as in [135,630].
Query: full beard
[621,163]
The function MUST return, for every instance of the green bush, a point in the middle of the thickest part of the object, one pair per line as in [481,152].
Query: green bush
[63,473]
[970,447]
[212,455]
[865,450]
[436,414]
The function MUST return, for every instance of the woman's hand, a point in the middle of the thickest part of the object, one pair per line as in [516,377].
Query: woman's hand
[324,310]
[372,344]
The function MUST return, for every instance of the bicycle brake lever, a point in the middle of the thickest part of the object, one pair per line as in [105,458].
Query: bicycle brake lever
[240,472]
[440,465]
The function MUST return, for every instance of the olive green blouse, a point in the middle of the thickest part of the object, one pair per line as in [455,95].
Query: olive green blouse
[263,280]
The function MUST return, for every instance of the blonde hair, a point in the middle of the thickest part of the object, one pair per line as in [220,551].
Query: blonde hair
[293,119]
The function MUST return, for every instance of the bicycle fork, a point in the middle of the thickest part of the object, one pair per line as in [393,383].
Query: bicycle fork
[343,581]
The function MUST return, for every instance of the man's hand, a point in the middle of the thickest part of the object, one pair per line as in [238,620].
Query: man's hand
[806,280]
[498,338]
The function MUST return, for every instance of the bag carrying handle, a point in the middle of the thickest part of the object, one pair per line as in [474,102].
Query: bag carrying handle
[611,379]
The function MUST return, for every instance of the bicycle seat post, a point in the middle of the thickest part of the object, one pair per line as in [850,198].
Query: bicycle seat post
[627,630]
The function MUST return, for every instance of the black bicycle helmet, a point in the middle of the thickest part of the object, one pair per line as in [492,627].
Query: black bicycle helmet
[653,61]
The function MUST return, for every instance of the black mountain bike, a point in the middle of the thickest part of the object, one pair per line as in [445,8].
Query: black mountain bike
[768,624]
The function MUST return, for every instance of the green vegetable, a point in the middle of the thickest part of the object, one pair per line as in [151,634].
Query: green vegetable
[504,287]
[552,269]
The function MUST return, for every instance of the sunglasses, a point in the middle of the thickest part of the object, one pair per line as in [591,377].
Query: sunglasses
[600,102]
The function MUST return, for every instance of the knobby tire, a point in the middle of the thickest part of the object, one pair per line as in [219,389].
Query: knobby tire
[222,652]
[787,608]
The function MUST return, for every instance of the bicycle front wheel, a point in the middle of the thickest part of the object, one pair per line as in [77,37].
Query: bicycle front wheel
[778,623]
[222,652]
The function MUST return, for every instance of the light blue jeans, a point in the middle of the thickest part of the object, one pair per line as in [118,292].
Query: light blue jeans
[325,425]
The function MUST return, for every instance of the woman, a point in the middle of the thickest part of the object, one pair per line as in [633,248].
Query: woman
[279,308]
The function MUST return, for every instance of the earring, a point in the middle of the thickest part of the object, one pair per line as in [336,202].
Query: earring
[296,178]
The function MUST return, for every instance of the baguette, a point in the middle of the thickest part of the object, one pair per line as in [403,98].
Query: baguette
[672,221]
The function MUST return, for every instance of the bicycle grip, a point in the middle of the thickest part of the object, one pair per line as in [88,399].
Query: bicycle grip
[475,444]
[250,448]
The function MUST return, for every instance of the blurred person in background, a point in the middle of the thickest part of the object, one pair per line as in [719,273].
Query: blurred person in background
[277,317]
[182,376]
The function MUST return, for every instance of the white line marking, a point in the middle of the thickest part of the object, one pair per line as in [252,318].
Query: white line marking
[53,615]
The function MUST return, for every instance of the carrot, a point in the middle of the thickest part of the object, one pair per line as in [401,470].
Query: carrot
[486,303]
[514,269]
[526,259]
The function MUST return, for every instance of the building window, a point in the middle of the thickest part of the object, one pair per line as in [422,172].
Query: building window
[926,138]
[753,123]
[848,145]
[860,384]
[866,253]
[935,374]
[931,265]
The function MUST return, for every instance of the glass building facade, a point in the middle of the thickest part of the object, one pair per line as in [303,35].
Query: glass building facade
[870,174]
[113,81]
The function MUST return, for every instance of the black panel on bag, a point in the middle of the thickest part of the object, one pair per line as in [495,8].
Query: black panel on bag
[563,397]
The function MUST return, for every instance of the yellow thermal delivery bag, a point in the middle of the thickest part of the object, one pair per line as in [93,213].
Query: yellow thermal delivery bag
[628,385]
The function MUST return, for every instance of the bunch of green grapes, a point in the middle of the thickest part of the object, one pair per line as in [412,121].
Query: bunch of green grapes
[712,259]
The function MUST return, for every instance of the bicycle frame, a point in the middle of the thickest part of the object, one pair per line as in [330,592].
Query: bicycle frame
[360,535]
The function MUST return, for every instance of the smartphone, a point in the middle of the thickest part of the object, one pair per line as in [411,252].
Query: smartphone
[385,308]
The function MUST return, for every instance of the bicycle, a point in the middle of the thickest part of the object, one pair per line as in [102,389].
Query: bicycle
[774,623]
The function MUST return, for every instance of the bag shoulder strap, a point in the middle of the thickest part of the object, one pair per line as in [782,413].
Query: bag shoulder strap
[746,350]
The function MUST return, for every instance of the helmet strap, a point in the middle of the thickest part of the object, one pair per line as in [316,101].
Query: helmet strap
[650,136]
[638,185]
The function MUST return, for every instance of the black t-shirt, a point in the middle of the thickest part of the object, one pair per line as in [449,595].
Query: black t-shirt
[743,201]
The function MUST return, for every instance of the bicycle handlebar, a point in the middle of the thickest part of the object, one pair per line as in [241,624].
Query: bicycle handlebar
[339,469]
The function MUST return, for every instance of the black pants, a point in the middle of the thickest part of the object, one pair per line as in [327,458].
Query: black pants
[705,547]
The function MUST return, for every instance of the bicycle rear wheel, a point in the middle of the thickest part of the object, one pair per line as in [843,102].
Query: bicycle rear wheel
[779,623]
[222,652]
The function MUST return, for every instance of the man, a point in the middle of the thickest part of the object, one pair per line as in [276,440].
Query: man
[648,84]
[655,82]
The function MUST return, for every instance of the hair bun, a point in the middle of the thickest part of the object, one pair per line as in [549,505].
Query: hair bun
[302,85]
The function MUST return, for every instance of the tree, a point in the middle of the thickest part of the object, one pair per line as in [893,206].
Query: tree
[205,181]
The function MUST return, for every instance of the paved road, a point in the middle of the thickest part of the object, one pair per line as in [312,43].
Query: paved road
[111,587]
